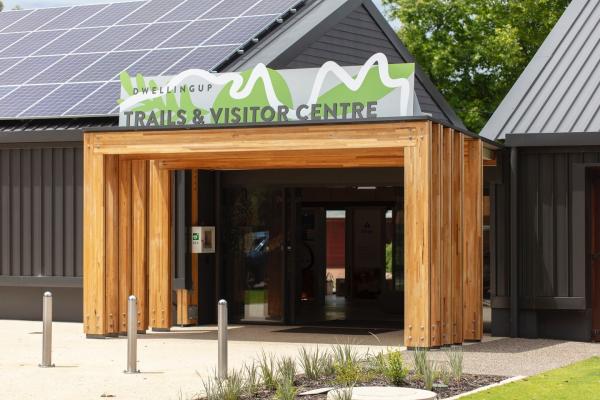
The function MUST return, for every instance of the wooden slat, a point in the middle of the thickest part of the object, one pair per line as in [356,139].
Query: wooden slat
[185,297]
[435,224]
[125,249]
[457,238]
[111,191]
[446,238]
[139,237]
[159,231]
[473,241]
[417,186]
[94,272]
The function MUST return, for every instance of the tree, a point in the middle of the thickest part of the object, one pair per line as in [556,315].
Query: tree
[474,50]
[1,5]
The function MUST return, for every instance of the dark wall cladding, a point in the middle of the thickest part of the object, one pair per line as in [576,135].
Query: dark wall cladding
[548,276]
[41,199]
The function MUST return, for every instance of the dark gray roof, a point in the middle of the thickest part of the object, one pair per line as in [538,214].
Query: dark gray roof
[559,91]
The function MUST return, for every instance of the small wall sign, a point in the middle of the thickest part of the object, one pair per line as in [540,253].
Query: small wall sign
[203,239]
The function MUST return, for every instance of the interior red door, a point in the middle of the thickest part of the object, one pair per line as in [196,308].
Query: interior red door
[594,212]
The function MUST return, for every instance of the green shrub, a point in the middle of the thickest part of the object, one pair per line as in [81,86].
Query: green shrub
[286,369]
[267,365]
[345,353]
[455,360]
[343,394]
[285,389]
[444,374]
[348,373]
[252,379]
[394,369]
[429,374]
[311,363]
[327,364]
[231,388]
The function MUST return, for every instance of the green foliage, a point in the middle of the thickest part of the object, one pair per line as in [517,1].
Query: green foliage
[420,360]
[348,373]
[285,390]
[252,382]
[231,388]
[342,394]
[474,50]
[429,373]
[267,364]
[286,369]
[444,373]
[315,363]
[394,369]
[455,361]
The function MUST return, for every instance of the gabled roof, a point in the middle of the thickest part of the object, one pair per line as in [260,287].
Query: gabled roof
[559,91]
[356,26]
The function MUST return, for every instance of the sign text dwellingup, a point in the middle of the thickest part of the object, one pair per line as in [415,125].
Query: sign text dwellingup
[197,97]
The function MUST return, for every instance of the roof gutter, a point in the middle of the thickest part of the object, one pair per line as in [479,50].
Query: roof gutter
[552,139]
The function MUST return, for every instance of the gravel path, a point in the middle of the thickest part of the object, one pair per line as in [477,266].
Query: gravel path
[511,357]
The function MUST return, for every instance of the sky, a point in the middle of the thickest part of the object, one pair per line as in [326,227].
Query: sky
[9,4]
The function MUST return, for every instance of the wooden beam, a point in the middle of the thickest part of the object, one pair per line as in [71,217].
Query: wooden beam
[435,224]
[473,241]
[159,232]
[446,237]
[139,239]
[457,236]
[125,249]
[94,267]
[111,191]
[417,194]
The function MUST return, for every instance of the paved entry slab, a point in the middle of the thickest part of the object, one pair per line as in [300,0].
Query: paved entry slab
[386,393]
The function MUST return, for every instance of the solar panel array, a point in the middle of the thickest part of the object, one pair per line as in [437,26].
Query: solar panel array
[65,61]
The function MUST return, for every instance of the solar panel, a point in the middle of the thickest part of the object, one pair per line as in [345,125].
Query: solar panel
[66,61]
[151,36]
[242,31]
[112,14]
[111,38]
[196,33]
[12,104]
[69,41]
[26,69]
[35,19]
[30,43]
[8,18]
[230,8]
[101,102]
[59,101]
[150,12]
[203,58]
[73,17]
[108,67]
[66,68]
[190,9]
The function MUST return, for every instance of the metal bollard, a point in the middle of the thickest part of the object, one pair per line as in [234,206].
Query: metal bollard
[132,335]
[47,332]
[222,339]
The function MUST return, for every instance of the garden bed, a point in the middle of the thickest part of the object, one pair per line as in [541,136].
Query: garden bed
[343,366]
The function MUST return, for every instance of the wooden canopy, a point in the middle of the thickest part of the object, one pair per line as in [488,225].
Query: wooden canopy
[127,213]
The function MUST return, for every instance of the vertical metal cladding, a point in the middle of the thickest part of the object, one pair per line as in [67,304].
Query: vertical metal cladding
[41,201]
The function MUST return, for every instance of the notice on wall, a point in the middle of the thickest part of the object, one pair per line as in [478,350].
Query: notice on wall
[196,97]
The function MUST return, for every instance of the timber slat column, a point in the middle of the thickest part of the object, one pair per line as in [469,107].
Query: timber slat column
[159,230]
[457,236]
[125,227]
[139,239]
[417,276]
[94,272]
[473,241]
[111,191]
[446,237]
[435,223]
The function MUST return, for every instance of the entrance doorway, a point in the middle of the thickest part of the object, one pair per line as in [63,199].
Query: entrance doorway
[594,249]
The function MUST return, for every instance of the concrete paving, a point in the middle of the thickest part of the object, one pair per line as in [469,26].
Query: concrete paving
[172,364]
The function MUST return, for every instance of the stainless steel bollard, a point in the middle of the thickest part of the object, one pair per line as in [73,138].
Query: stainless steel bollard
[132,335]
[47,332]
[222,367]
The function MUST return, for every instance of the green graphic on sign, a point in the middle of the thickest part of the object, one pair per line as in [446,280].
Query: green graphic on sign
[195,236]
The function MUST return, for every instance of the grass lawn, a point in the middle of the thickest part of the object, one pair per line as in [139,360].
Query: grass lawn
[573,382]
